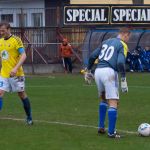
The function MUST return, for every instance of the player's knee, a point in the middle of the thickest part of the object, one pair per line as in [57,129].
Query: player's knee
[113,103]
[103,96]
[22,95]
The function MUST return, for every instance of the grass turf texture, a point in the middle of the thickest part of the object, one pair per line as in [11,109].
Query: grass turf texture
[65,98]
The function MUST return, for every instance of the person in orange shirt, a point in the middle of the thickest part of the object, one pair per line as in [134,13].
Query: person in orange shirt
[66,54]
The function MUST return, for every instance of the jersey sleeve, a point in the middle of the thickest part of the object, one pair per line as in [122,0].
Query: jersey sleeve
[92,58]
[122,60]
[19,43]
[21,50]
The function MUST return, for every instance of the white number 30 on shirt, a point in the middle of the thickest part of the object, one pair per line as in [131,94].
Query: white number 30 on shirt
[106,52]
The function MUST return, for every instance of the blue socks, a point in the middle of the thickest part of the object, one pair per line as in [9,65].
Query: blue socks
[112,118]
[102,114]
[1,103]
[27,107]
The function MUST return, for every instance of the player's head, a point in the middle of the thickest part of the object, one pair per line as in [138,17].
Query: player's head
[124,34]
[65,41]
[4,29]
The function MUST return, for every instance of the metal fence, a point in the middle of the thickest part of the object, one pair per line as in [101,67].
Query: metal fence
[43,44]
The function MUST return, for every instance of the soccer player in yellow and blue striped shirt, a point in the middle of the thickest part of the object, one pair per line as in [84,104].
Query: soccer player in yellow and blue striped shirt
[12,75]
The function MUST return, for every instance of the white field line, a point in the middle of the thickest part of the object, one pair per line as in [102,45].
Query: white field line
[41,76]
[132,86]
[140,86]
[70,85]
[65,124]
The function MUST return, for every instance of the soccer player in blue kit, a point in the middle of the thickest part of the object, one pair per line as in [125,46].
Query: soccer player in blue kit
[111,60]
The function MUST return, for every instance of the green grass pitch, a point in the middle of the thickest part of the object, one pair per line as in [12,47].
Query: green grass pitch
[59,99]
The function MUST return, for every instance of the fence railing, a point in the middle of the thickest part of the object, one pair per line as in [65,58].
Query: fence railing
[44,53]
[42,44]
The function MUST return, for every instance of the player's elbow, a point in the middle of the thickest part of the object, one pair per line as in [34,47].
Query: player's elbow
[120,65]
[121,68]
[93,57]
[24,56]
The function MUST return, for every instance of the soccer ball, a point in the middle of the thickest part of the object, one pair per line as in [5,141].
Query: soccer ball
[144,129]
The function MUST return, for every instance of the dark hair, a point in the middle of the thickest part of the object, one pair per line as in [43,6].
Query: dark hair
[6,24]
[124,30]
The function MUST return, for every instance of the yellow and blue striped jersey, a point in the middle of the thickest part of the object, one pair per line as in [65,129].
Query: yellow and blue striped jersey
[10,55]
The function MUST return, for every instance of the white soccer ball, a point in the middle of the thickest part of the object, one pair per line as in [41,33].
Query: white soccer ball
[144,129]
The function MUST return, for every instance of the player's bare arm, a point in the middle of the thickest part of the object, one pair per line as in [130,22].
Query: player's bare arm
[88,76]
[20,63]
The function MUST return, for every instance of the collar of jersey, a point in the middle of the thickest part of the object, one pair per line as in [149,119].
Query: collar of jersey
[8,37]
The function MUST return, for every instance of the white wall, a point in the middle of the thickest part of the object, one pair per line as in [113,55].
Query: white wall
[22,4]
[10,7]
[146,1]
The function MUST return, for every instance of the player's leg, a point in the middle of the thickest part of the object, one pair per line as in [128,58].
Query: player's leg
[26,105]
[103,104]
[66,64]
[102,113]
[2,92]
[112,116]
[112,94]
[18,85]
[4,87]
[70,65]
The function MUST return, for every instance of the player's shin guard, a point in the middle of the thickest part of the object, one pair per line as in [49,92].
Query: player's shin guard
[112,118]
[102,114]
[1,103]
[27,107]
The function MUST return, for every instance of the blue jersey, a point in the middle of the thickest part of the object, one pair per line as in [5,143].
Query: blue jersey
[112,53]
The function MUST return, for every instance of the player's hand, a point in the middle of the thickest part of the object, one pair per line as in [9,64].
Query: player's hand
[124,86]
[88,76]
[13,72]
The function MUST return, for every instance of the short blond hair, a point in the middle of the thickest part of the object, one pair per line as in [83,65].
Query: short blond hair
[124,30]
